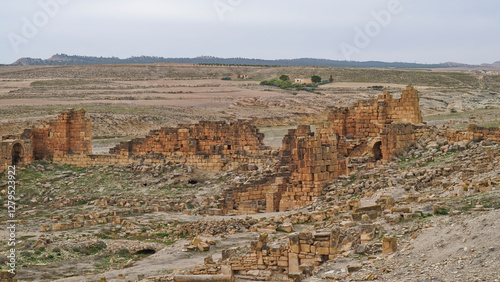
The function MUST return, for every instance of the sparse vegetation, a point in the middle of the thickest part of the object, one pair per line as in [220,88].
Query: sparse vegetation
[285,77]
[316,79]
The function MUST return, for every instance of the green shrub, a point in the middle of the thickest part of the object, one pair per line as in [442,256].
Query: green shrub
[123,252]
[316,79]
[25,254]
[101,245]
[284,77]
[286,84]
[441,212]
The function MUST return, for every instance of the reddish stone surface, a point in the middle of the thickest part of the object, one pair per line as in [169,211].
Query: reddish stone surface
[367,118]
[70,133]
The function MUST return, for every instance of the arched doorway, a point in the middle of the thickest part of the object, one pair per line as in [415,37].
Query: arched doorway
[17,154]
[377,151]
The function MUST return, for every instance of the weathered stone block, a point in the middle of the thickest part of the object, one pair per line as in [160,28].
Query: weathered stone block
[389,245]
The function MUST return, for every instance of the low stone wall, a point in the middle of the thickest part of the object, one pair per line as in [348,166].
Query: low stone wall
[474,132]
[205,137]
[302,253]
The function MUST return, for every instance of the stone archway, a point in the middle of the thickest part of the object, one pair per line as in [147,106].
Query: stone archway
[377,151]
[17,154]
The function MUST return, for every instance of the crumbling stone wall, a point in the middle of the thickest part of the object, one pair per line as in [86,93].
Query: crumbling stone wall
[311,161]
[209,144]
[70,133]
[246,198]
[367,118]
[306,162]
[474,132]
[303,252]
[398,137]
[14,150]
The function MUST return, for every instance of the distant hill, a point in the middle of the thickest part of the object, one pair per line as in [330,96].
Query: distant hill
[494,65]
[63,59]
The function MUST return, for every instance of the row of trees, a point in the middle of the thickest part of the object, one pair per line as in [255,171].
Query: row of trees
[314,78]
[284,83]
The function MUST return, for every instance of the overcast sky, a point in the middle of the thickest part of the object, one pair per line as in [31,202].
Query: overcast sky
[422,31]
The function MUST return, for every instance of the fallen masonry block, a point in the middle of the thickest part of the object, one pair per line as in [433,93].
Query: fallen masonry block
[393,218]
[196,241]
[389,245]
[354,268]
[372,211]
[286,227]
[204,247]
[401,210]
[364,209]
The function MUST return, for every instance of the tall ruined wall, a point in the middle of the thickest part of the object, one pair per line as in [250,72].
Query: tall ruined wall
[404,109]
[70,133]
[311,160]
[306,162]
[367,118]
[398,137]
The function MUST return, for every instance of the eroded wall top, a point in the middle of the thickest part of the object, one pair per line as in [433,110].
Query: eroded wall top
[368,117]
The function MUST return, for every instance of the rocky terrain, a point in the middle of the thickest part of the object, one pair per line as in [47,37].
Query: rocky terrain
[440,201]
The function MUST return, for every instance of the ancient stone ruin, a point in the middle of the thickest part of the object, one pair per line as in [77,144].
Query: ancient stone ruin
[367,118]
[373,130]
[211,145]
[70,133]
[370,133]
